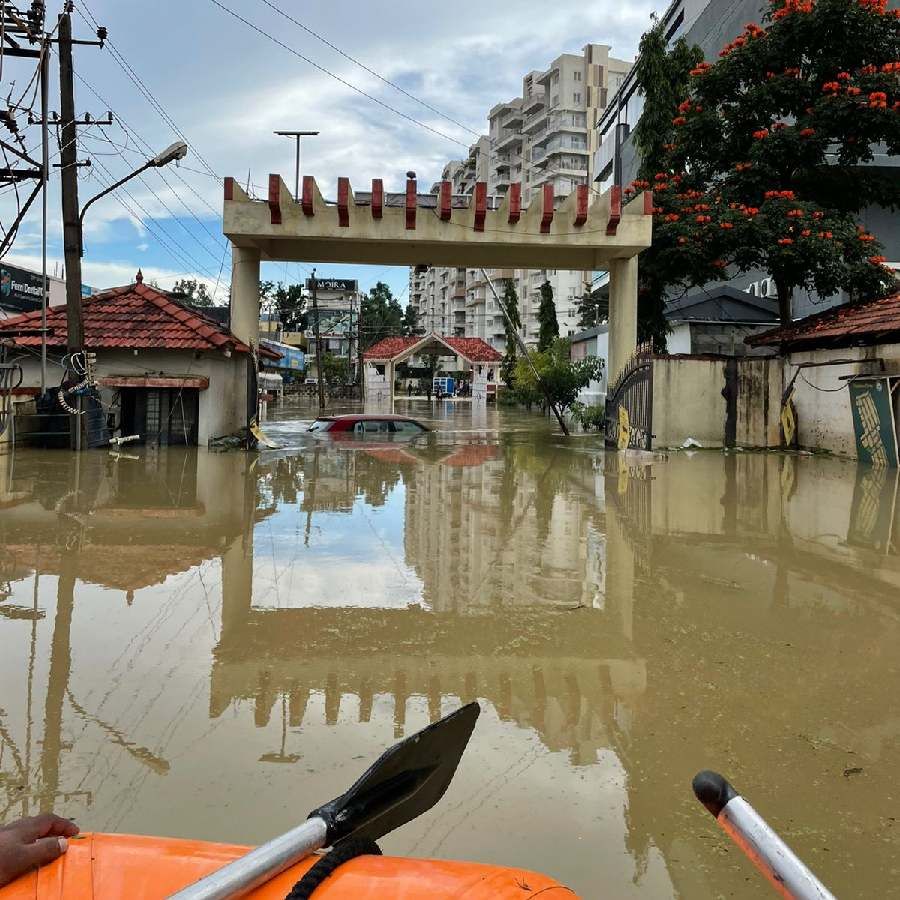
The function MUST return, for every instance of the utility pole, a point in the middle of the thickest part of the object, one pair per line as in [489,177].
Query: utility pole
[298,135]
[45,149]
[69,178]
[314,288]
[360,372]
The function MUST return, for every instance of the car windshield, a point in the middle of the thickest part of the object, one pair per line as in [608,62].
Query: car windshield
[321,425]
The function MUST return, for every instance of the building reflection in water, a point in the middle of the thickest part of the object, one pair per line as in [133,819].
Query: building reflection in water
[633,619]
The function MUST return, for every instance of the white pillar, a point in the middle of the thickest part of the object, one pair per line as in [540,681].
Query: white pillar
[623,300]
[245,294]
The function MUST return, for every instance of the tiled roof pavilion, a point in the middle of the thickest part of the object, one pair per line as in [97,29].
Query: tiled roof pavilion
[473,350]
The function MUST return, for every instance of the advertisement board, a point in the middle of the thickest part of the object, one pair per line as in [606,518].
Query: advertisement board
[334,285]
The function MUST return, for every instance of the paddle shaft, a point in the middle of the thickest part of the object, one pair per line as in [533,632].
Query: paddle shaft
[259,865]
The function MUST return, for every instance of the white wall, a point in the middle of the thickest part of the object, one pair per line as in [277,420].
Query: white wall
[822,400]
[679,341]
[222,405]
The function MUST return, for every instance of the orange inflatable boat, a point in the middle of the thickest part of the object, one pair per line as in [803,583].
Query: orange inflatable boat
[408,779]
[113,867]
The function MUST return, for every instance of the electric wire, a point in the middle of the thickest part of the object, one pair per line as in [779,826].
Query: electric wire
[336,77]
[366,68]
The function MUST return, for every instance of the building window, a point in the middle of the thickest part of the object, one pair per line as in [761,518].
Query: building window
[577,76]
[577,97]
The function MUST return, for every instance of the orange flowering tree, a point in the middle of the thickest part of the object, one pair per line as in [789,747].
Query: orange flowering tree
[771,156]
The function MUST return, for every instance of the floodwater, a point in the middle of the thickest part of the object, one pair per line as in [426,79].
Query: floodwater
[210,645]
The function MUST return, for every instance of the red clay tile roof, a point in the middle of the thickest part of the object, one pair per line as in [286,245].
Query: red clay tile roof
[474,350]
[135,317]
[868,322]
[388,348]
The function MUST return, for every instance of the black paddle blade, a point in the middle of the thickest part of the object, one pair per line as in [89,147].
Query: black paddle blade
[406,781]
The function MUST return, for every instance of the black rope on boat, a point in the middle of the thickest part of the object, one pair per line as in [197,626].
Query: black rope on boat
[328,864]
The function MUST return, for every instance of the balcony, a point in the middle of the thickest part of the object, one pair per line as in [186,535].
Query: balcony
[558,146]
[534,101]
[508,140]
[535,122]
[512,120]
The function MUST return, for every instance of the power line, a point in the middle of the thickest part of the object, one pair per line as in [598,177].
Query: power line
[366,68]
[148,94]
[331,74]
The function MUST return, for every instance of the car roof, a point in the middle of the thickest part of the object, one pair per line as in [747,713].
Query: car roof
[363,417]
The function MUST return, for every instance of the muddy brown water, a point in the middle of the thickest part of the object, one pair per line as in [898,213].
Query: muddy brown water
[210,645]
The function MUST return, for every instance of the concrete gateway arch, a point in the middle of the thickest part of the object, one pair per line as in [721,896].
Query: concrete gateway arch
[585,231]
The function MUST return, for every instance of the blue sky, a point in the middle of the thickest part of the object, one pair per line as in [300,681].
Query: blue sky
[227,88]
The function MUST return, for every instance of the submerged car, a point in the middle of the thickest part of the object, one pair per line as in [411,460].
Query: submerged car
[366,425]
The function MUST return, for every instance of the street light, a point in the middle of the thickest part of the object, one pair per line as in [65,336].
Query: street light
[298,135]
[176,151]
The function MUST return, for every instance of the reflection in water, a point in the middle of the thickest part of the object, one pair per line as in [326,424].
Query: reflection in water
[209,645]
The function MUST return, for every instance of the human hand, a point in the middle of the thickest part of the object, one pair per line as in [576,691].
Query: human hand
[31,843]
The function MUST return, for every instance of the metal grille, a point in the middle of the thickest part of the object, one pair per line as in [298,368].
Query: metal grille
[10,379]
[629,404]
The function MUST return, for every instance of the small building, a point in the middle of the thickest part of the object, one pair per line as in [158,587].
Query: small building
[841,377]
[382,359]
[713,322]
[165,372]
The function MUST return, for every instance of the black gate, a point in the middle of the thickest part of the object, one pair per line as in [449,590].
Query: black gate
[10,379]
[629,404]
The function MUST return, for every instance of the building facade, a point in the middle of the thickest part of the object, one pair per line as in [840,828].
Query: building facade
[544,136]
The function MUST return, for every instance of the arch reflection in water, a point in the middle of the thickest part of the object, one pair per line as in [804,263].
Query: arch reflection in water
[625,626]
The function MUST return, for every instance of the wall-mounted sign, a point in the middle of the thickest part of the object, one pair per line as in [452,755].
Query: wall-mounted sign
[336,285]
[20,291]
[871,402]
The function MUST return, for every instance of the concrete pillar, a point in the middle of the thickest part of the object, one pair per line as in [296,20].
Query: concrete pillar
[623,299]
[245,294]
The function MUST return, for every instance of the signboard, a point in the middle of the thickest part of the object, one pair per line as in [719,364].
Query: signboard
[871,403]
[292,358]
[20,291]
[334,285]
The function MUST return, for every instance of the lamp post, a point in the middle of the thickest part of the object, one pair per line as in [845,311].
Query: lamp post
[298,135]
[171,154]
[75,251]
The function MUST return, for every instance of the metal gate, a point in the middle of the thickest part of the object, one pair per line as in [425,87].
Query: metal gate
[10,379]
[629,404]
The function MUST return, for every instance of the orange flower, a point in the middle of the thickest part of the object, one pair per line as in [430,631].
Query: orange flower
[726,226]
[684,106]
[807,132]
[795,214]
[843,76]
[719,263]
[785,242]
[702,220]
[805,233]
[853,91]
[877,260]
[679,120]
[818,214]
[831,87]
[761,134]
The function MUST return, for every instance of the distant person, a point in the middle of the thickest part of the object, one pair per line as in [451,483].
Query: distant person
[28,844]
[428,391]
[409,389]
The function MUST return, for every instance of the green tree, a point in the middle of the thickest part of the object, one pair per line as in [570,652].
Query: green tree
[335,369]
[562,378]
[593,308]
[288,302]
[192,291]
[549,326]
[382,315]
[512,323]
[768,166]
[663,76]
[410,322]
